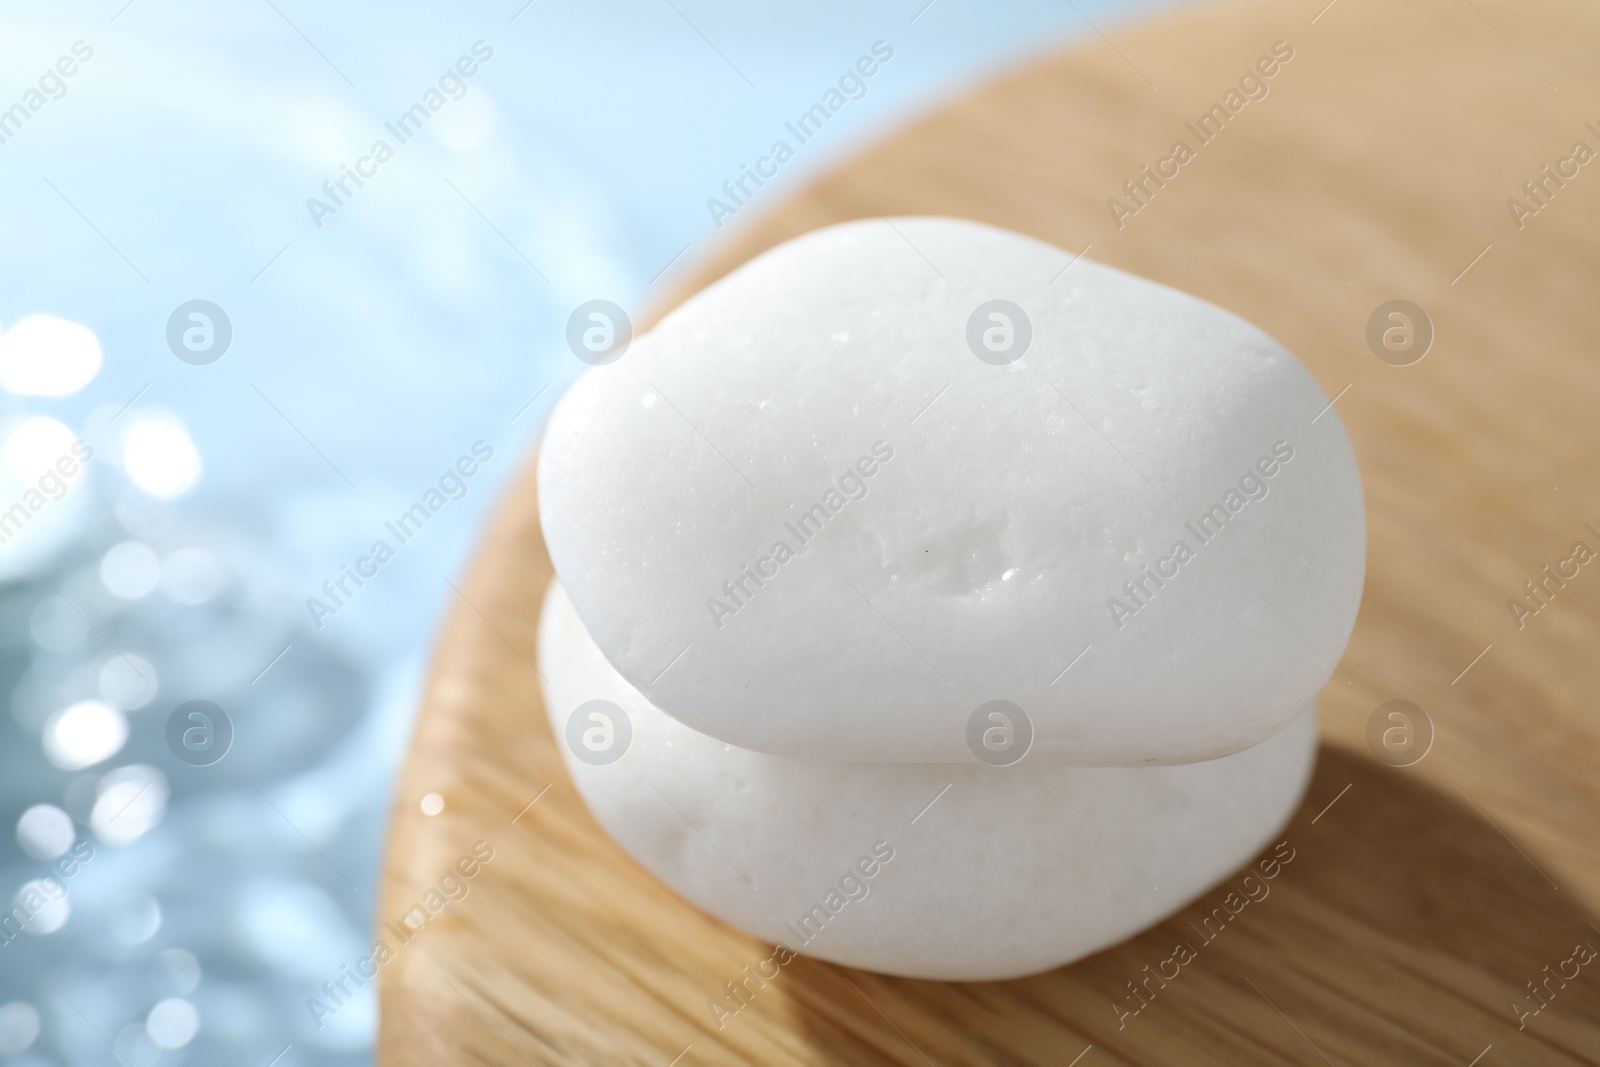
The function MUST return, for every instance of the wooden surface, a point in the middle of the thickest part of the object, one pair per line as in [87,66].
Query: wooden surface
[1424,899]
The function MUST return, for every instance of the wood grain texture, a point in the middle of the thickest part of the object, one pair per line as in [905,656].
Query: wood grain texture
[1421,902]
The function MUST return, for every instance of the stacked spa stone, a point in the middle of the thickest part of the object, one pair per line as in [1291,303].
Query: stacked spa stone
[927,548]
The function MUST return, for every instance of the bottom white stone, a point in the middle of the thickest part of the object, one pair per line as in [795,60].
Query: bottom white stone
[939,871]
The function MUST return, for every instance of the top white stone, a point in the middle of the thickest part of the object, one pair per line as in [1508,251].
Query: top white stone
[839,500]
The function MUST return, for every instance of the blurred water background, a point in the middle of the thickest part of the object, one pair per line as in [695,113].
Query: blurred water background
[174,911]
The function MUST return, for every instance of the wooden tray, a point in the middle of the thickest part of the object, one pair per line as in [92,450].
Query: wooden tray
[1422,899]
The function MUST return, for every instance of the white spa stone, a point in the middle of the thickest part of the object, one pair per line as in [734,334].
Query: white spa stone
[979,529]
[1006,874]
